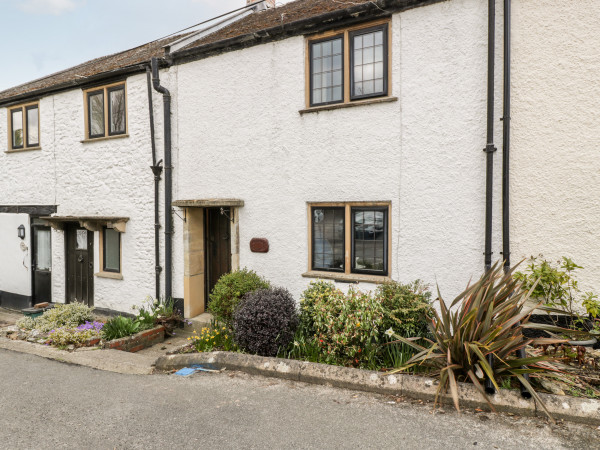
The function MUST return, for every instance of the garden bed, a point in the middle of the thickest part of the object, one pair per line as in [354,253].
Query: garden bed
[138,341]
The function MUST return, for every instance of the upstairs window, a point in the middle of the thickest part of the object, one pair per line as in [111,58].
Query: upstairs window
[348,66]
[106,111]
[24,126]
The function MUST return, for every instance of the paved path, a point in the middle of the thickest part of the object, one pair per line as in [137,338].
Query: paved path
[48,404]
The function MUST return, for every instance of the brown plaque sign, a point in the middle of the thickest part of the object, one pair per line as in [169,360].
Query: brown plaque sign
[259,245]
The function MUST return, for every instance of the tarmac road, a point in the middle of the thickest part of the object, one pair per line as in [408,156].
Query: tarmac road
[48,404]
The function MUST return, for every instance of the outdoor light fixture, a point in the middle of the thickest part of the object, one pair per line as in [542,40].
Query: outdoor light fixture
[21,231]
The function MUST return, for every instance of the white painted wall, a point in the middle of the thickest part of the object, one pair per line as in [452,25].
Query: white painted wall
[104,178]
[15,259]
[240,135]
[555,169]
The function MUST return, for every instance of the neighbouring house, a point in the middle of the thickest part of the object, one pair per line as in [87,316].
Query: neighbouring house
[318,139]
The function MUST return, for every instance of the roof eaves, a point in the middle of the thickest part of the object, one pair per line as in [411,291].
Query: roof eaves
[310,25]
[38,93]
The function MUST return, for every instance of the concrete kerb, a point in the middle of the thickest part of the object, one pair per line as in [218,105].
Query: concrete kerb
[423,388]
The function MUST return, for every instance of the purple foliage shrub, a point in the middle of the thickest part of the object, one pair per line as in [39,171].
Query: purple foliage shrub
[265,321]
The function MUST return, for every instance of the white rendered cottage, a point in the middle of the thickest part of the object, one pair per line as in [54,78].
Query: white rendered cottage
[319,139]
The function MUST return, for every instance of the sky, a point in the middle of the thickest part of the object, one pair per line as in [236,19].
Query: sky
[40,37]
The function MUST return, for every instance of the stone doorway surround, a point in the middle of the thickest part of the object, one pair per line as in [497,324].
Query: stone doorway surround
[194,237]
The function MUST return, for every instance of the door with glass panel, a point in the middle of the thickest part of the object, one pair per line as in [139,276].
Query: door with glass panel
[80,265]
[41,264]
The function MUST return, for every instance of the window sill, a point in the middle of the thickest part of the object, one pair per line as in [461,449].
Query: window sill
[113,275]
[347,277]
[370,101]
[19,150]
[105,138]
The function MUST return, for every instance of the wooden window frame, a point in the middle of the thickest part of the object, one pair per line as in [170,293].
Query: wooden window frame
[310,77]
[110,273]
[348,70]
[24,108]
[106,110]
[350,274]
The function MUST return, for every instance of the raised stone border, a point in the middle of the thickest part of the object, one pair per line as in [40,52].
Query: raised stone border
[561,407]
[138,341]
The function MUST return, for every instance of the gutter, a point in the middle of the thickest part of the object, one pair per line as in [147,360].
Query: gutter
[168,179]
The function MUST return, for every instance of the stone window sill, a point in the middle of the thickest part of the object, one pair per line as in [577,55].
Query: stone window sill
[105,138]
[370,101]
[19,150]
[113,275]
[347,277]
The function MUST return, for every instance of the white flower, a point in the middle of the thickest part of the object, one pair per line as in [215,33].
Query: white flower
[389,332]
[296,344]
[156,302]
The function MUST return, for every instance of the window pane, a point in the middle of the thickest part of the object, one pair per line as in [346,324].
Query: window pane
[367,55]
[112,250]
[369,240]
[358,73]
[117,111]
[43,255]
[81,240]
[369,64]
[358,42]
[337,46]
[357,57]
[17,128]
[379,53]
[326,70]
[328,238]
[96,112]
[32,126]
[337,62]
[337,78]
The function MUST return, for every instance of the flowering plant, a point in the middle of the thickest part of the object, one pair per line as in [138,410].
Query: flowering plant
[211,339]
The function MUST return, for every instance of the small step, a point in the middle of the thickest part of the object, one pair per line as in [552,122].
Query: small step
[200,321]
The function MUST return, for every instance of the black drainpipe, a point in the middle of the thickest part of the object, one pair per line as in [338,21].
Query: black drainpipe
[168,179]
[489,150]
[156,170]
[505,163]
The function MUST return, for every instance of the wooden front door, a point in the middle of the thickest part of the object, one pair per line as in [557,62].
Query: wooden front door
[218,246]
[80,265]
[41,264]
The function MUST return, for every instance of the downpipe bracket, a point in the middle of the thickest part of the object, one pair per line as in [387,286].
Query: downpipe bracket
[490,148]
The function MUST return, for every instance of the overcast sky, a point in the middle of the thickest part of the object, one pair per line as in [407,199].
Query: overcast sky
[40,37]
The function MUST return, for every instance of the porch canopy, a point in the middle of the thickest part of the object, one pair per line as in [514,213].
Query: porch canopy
[91,223]
[209,203]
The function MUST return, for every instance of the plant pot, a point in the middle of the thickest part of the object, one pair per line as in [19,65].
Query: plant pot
[587,343]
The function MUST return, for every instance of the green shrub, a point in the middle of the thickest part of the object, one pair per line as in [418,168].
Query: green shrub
[63,337]
[407,307]
[62,315]
[557,287]
[228,291]
[346,328]
[265,321]
[119,327]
